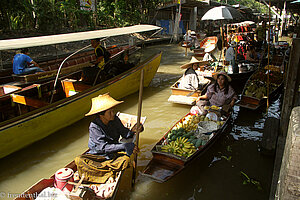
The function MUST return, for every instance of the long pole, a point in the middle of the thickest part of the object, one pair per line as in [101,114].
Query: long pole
[138,127]
[268,74]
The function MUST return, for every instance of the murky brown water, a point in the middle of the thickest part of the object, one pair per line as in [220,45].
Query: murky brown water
[215,175]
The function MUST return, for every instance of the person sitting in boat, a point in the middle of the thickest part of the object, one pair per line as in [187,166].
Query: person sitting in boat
[23,64]
[102,57]
[106,129]
[190,78]
[187,36]
[219,94]
[251,55]
[195,41]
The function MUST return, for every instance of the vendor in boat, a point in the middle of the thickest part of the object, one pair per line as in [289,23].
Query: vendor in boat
[190,79]
[195,41]
[23,64]
[106,129]
[219,94]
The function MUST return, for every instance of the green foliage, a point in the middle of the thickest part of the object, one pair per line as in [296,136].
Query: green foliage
[253,4]
[249,180]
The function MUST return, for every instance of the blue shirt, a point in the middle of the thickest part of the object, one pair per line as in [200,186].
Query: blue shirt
[20,63]
[104,139]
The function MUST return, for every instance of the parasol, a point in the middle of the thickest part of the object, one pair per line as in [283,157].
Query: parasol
[222,12]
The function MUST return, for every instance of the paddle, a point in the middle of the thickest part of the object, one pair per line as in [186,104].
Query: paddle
[191,93]
[138,127]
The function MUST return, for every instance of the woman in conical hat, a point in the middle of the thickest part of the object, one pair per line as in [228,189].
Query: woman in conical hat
[190,78]
[106,129]
[220,93]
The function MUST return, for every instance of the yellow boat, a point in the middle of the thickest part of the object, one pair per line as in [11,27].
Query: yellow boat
[46,118]
[26,115]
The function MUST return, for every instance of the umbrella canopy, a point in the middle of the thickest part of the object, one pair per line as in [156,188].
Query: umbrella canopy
[222,12]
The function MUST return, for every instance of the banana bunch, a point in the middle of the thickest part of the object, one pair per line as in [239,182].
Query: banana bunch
[213,107]
[172,147]
[185,148]
[188,123]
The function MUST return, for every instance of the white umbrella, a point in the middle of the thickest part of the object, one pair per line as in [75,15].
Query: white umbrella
[221,12]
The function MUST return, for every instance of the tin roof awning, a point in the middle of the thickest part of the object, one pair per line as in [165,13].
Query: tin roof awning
[72,37]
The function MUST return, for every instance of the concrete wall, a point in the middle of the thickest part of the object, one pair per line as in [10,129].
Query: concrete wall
[289,178]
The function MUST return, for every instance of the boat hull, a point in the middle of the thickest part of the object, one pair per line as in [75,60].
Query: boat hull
[27,129]
[163,166]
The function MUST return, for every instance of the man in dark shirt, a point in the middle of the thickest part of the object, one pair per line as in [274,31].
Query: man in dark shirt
[102,55]
[106,129]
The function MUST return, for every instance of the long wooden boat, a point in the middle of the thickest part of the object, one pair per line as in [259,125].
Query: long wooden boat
[28,115]
[75,63]
[254,94]
[166,163]
[208,44]
[186,96]
[108,189]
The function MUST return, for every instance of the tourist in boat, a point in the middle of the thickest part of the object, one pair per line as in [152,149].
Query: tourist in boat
[219,94]
[106,129]
[23,64]
[190,79]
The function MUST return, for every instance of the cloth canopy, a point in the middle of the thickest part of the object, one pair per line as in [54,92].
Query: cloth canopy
[72,37]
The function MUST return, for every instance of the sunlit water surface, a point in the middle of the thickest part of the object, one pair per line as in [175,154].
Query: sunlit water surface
[214,175]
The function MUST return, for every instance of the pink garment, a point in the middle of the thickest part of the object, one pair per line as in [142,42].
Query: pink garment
[219,98]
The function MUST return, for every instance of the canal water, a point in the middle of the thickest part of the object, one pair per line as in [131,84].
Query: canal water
[218,174]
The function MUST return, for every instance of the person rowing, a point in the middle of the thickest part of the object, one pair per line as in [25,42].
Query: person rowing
[190,79]
[106,129]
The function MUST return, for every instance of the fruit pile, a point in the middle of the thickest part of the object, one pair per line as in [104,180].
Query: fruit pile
[257,86]
[183,139]
[179,147]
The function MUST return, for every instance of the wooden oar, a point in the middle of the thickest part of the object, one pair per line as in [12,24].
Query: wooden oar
[138,127]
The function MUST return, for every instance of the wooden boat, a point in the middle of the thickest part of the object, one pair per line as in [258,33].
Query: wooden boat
[50,67]
[186,96]
[34,112]
[85,189]
[165,165]
[32,117]
[254,93]
[208,44]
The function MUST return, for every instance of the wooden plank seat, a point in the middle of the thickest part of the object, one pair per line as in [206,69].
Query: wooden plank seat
[71,86]
[36,103]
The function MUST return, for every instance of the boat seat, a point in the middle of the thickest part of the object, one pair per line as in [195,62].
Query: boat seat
[71,86]
[28,101]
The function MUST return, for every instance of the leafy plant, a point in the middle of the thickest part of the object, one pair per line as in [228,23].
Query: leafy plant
[251,181]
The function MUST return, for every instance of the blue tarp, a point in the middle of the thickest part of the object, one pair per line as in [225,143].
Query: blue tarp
[166,25]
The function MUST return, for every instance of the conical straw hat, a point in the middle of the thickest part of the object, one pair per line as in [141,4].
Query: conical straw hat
[102,103]
[222,73]
[192,61]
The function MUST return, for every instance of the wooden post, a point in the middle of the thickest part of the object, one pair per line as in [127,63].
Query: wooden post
[291,96]
[176,24]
